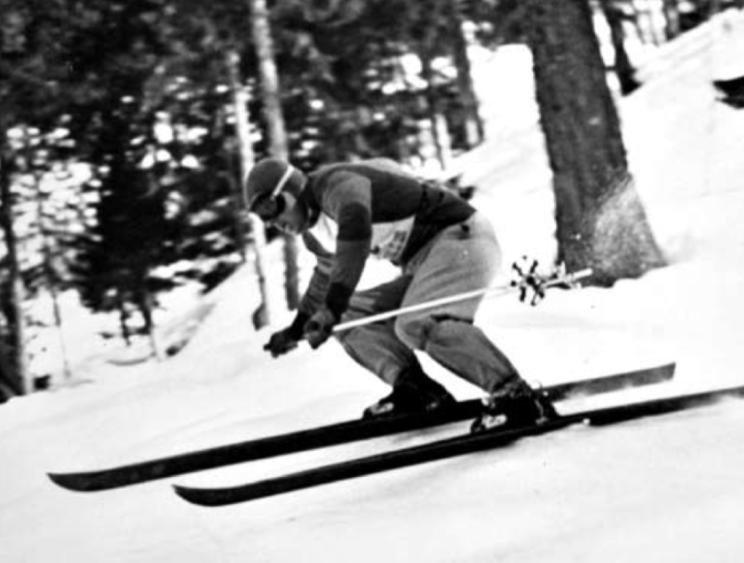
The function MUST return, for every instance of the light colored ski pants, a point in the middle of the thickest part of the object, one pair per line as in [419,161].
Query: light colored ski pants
[463,257]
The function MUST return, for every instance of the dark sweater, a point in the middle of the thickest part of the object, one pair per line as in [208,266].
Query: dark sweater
[370,207]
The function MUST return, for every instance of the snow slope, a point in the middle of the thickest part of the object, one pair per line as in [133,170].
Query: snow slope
[663,490]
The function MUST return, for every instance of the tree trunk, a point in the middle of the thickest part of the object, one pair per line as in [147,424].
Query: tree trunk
[600,220]
[623,67]
[145,305]
[269,79]
[474,129]
[671,15]
[59,324]
[20,376]
[262,315]
[644,23]
[126,334]
[438,130]
[51,277]
[277,134]
[236,174]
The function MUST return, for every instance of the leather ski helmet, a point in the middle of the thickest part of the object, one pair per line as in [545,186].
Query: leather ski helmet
[269,178]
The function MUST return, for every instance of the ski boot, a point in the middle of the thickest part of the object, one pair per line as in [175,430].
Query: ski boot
[424,396]
[513,406]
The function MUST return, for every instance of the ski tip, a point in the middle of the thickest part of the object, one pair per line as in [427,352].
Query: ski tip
[190,495]
[79,482]
[208,497]
[69,481]
[186,493]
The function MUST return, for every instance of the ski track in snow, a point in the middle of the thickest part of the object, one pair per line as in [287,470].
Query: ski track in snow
[667,489]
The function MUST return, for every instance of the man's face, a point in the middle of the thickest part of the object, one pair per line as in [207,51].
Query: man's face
[290,217]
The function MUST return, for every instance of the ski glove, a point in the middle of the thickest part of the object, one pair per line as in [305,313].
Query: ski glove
[320,326]
[280,343]
[286,340]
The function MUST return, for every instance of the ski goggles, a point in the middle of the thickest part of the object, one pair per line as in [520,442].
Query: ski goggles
[270,207]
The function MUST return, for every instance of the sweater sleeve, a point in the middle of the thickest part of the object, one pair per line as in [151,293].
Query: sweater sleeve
[317,288]
[348,199]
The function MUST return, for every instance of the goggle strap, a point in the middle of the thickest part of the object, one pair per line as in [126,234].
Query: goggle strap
[282,181]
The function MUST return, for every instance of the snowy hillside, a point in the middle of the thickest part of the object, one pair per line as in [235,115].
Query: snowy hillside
[668,489]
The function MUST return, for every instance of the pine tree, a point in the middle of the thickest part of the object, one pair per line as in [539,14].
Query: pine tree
[601,222]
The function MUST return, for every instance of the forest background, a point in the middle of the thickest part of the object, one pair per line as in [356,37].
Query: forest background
[127,127]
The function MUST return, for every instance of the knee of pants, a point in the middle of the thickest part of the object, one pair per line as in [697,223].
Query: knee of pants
[414,331]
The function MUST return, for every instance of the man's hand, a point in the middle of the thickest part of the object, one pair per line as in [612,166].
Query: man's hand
[320,326]
[280,343]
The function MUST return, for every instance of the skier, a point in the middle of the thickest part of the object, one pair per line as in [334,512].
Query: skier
[346,212]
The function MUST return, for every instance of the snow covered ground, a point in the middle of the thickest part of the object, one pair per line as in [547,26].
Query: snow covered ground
[667,489]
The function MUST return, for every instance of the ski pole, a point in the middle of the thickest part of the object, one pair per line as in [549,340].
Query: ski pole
[494,291]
